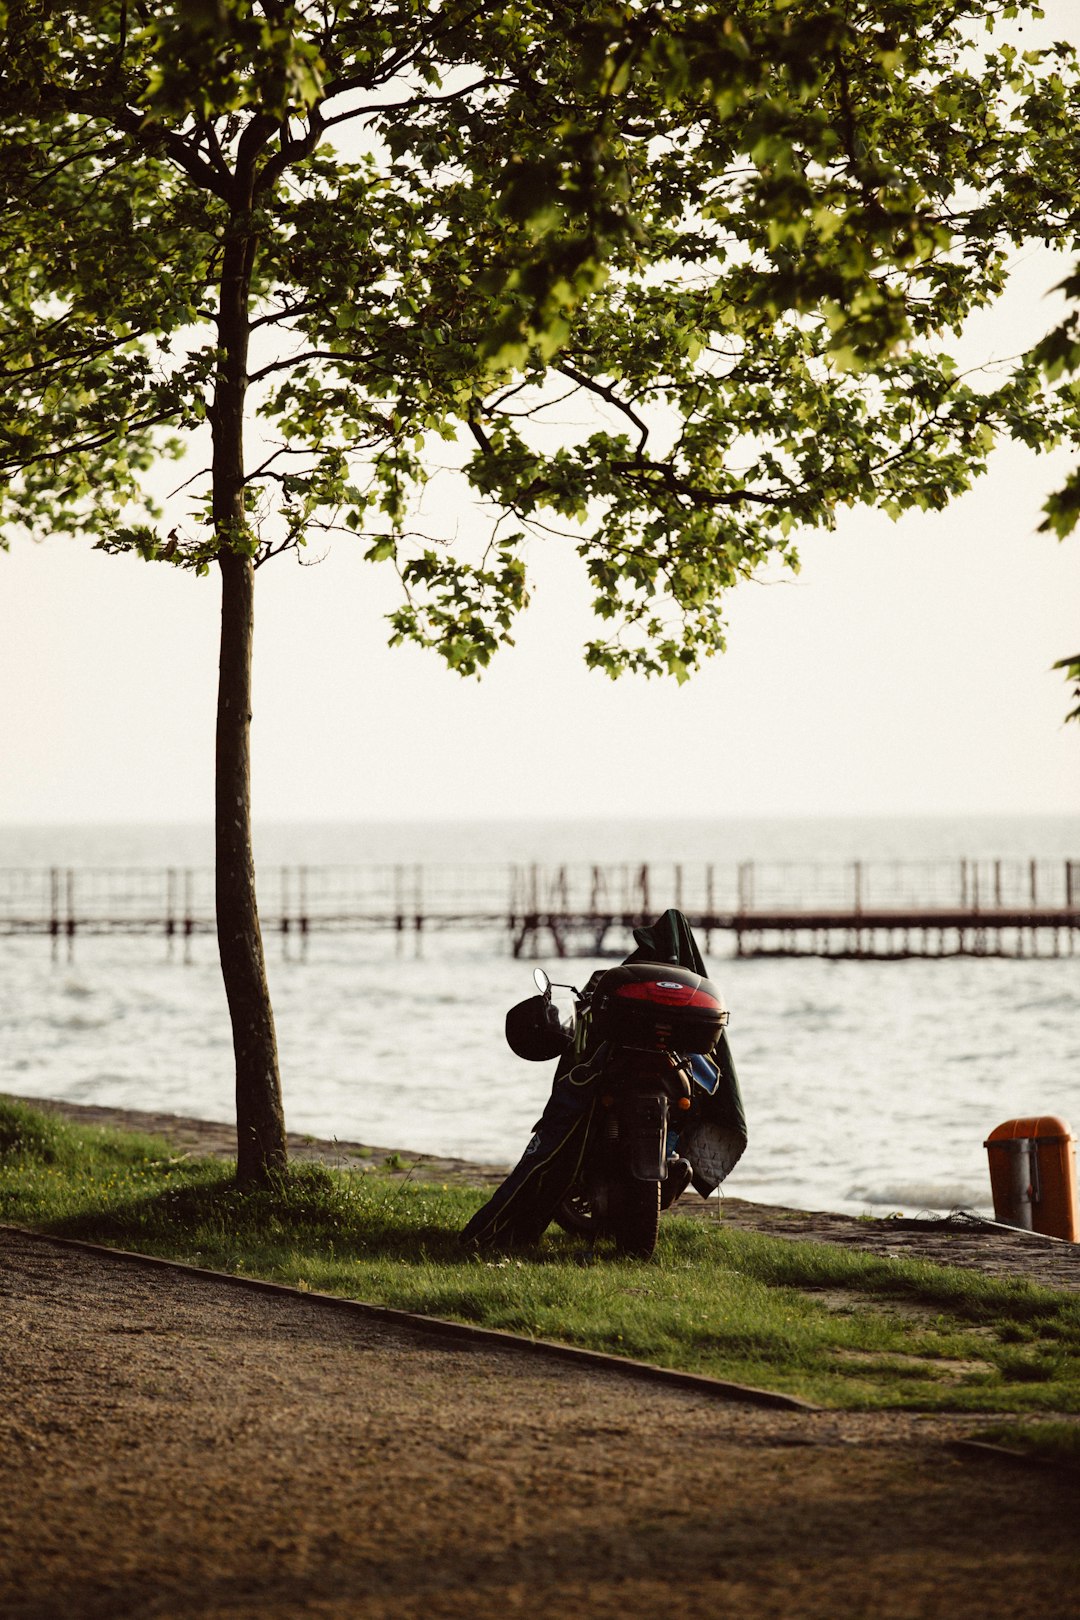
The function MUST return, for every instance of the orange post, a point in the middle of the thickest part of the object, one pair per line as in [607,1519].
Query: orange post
[1033,1176]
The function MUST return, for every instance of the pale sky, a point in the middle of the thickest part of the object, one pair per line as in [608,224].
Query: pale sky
[906,670]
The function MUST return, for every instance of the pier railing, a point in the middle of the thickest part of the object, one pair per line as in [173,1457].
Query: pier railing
[981,886]
[857,908]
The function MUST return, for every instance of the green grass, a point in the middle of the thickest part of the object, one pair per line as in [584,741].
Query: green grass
[831,1324]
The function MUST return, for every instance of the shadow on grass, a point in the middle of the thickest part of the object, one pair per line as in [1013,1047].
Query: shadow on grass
[306,1212]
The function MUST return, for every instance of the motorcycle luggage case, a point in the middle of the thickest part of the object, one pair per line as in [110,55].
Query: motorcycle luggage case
[658,1007]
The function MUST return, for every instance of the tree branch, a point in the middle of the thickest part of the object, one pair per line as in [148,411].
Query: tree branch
[176,147]
[301,359]
[370,109]
[16,464]
[605,391]
[480,436]
[290,152]
[304,307]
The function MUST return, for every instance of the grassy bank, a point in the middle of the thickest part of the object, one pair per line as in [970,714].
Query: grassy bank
[833,1325]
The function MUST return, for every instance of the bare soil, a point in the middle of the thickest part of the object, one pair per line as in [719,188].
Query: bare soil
[174,1444]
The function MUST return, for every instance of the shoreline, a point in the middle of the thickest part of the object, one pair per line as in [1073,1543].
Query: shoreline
[1002,1252]
[216,1139]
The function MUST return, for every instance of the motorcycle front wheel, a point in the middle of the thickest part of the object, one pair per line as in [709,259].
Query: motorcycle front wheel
[636,1221]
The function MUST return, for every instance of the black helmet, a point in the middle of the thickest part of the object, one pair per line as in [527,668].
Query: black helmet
[534,1031]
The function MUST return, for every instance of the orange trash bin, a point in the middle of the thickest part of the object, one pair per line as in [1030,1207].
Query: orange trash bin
[1033,1175]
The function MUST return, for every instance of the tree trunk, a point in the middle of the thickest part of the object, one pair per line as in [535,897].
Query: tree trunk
[260,1119]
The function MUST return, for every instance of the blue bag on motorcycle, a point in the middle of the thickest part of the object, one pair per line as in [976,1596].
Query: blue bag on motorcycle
[657,1035]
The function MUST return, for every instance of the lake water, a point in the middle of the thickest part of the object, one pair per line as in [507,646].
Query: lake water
[868,1085]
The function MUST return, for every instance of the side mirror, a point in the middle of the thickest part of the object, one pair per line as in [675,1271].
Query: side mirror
[541,981]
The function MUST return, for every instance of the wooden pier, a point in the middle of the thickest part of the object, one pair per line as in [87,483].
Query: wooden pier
[879,910]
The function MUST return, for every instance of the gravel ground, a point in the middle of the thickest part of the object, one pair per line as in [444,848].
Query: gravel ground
[174,1444]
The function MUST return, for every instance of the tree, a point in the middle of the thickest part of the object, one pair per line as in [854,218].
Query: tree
[318,246]
[1059,352]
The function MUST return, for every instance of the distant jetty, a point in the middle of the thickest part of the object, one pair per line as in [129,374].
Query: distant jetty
[852,909]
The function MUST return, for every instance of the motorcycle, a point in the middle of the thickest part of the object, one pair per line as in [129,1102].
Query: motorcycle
[645,1100]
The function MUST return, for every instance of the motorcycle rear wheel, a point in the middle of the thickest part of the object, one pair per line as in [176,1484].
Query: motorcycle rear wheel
[636,1223]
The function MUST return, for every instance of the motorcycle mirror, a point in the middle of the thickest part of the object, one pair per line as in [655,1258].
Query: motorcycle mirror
[541,981]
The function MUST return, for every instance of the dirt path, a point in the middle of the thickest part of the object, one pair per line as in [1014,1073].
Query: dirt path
[177,1445]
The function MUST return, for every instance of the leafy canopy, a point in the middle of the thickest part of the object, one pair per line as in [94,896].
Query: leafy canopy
[1059,352]
[671,281]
